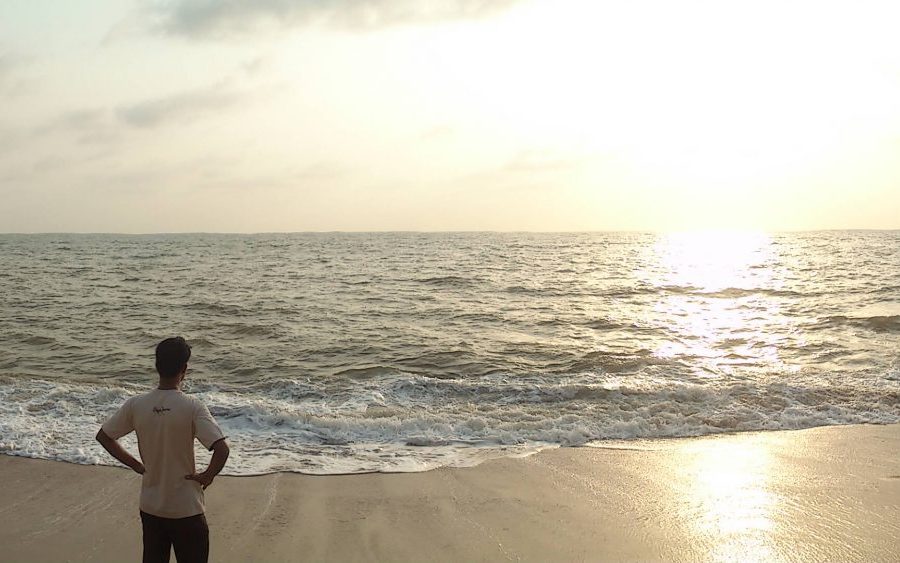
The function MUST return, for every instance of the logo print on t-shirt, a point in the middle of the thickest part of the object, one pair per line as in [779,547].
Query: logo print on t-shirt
[160,410]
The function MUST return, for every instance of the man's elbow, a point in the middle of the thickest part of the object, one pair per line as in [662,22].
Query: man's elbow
[221,448]
[101,436]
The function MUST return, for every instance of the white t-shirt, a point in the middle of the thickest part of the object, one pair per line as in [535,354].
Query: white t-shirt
[166,422]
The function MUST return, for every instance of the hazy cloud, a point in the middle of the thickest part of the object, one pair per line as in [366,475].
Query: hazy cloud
[103,126]
[7,62]
[50,163]
[529,170]
[311,177]
[131,26]
[181,107]
[320,171]
[437,133]
[9,139]
[12,82]
[66,122]
[92,126]
[217,18]
[78,121]
[532,160]
[255,66]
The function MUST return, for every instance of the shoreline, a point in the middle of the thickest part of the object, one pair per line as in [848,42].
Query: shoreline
[625,444]
[824,493]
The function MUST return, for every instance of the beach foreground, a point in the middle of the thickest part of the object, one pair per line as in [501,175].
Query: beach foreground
[823,494]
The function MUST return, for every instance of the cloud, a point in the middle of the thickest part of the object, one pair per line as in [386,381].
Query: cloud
[319,171]
[7,63]
[532,169]
[218,18]
[254,66]
[437,133]
[89,127]
[531,161]
[12,82]
[10,137]
[105,127]
[182,107]
[78,121]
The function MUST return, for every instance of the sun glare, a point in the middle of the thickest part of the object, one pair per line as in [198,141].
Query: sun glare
[708,297]
[713,260]
[689,99]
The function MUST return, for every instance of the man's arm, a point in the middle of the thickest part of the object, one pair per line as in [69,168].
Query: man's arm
[117,451]
[220,456]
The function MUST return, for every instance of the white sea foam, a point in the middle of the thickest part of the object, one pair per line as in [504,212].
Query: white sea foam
[402,422]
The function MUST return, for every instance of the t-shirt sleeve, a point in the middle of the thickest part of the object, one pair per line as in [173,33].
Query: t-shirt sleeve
[205,428]
[120,423]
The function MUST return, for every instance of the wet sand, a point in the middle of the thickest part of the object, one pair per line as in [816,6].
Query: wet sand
[824,494]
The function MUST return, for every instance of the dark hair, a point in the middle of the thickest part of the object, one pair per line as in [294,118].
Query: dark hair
[172,354]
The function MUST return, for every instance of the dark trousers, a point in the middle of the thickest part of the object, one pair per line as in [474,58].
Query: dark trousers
[189,536]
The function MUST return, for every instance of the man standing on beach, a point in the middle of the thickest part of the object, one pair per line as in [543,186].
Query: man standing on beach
[166,422]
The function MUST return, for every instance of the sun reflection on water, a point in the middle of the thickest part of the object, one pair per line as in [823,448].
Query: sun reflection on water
[714,260]
[719,295]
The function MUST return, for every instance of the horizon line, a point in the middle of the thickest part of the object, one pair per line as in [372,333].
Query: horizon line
[463,231]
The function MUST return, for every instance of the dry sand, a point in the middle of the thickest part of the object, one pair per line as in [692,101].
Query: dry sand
[825,494]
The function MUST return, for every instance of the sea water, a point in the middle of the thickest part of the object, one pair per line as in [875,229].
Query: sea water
[341,353]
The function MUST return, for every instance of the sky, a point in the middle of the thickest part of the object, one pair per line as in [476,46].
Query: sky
[522,115]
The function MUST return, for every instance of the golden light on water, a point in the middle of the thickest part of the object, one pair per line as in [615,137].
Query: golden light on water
[714,260]
[712,299]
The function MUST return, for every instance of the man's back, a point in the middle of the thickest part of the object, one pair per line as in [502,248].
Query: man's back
[166,422]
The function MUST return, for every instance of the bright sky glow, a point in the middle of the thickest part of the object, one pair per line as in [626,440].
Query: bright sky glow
[293,115]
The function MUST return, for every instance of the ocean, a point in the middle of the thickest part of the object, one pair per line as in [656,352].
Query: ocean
[358,352]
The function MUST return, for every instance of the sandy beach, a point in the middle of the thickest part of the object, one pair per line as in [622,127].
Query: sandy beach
[823,494]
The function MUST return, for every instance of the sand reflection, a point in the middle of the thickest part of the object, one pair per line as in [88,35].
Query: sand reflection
[728,499]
